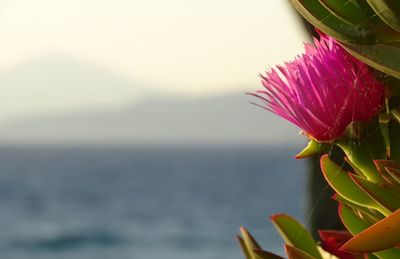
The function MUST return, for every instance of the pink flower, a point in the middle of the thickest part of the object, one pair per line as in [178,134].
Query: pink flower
[322,91]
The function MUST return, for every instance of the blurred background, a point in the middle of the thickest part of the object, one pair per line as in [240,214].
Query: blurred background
[125,131]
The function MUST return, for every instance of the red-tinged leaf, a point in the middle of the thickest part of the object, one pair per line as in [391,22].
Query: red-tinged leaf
[246,252]
[356,225]
[251,249]
[339,236]
[380,236]
[390,171]
[332,240]
[394,129]
[355,168]
[295,234]
[267,255]
[343,184]
[373,215]
[312,148]
[248,238]
[377,193]
[249,244]
[394,172]
[350,219]
[295,253]
[380,165]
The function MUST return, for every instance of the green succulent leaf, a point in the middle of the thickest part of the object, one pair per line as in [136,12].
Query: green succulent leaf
[396,114]
[369,145]
[388,11]
[356,225]
[320,17]
[368,31]
[380,236]
[267,255]
[312,148]
[354,167]
[394,172]
[389,179]
[373,215]
[384,119]
[364,27]
[391,167]
[383,57]
[377,193]
[294,253]
[245,250]
[295,234]
[349,12]
[394,129]
[249,244]
[344,185]
[351,220]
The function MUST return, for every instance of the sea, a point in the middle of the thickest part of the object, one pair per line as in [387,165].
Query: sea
[145,202]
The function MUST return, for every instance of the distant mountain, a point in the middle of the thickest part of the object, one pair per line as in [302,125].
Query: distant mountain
[229,119]
[58,82]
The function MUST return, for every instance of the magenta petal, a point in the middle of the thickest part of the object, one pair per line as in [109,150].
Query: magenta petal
[323,90]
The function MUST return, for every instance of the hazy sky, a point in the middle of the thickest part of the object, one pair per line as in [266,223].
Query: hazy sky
[178,46]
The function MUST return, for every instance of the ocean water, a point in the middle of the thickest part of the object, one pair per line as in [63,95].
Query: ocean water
[155,202]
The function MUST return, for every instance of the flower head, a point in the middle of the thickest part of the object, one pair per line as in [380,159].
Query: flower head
[323,90]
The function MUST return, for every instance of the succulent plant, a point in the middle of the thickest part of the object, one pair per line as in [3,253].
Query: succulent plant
[361,119]
[369,211]
[368,29]
[368,196]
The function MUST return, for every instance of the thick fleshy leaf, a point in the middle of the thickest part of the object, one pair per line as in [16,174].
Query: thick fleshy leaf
[326,255]
[383,57]
[331,21]
[294,253]
[380,195]
[267,255]
[389,164]
[395,173]
[388,11]
[394,129]
[354,167]
[374,42]
[384,119]
[369,146]
[245,250]
[396,114]
[349,12]
[381,166]
[392,168]
[380,236]
[295,234]
[332,240]
[356,225]
[312,148]
[373,215]
[320,17]
[249,244]
[343,184]
[351,220]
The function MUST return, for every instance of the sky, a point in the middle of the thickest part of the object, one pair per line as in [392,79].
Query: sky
[173,47]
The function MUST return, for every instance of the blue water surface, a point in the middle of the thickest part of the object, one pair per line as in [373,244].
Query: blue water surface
[144,202]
